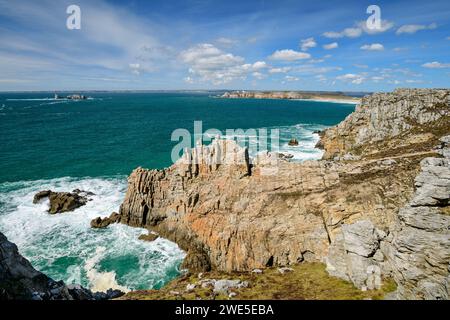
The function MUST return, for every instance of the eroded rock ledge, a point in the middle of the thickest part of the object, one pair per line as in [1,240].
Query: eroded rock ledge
[358,205]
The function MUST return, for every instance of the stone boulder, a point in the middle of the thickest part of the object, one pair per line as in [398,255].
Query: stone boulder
[354,255]
[63,201]
[150,237]
[100,223]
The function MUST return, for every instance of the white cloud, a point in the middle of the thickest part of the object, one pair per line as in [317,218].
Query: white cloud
[377,78]
[330,46]
[306,44]
[280,70]
[436,65]
[311,69]
[413,28]
[289,55]
[226,42]
[384,26]
[358,29]
[188,80]
[347,32]
[291,78]
[321,78]
[373,47]
[361,66]
[258,65]
[351,77]
[258,75]
[413,81]
[209,63]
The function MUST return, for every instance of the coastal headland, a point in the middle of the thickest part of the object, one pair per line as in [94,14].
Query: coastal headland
[335,97]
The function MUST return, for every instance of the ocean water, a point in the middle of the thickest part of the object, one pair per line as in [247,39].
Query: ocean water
[93,145]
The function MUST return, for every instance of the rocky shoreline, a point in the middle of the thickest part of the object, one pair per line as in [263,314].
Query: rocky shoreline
[376,207]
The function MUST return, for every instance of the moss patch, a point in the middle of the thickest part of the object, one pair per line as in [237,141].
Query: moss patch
[307,281]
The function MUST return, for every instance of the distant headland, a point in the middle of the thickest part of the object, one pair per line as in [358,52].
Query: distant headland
[337,97]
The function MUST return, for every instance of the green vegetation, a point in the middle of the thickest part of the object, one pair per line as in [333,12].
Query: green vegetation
[307,281]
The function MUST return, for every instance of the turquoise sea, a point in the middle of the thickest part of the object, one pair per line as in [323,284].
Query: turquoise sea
[93,145]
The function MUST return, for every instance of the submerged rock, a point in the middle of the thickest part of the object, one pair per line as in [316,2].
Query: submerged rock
[293,142]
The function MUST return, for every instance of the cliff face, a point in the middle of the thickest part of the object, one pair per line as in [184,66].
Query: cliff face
[407,120]
[238,215]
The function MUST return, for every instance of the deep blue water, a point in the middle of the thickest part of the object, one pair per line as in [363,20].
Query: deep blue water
[93,145]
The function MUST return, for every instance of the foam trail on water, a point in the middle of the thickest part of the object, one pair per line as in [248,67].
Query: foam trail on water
[101,281]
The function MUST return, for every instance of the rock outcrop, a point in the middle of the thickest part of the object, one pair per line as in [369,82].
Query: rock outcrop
[233,213]
[391,123]
[418,253]
[100,223]
[20,281]
[63,201]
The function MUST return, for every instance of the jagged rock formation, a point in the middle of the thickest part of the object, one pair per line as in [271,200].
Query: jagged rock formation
[63,201]
[20,281]
[230,212]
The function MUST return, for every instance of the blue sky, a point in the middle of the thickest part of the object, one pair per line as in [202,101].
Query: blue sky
[199,44]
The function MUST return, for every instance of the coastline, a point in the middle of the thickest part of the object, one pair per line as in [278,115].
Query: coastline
[293,95]
[346,101]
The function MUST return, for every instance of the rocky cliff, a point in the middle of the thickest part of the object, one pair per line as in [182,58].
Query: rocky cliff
[354,210]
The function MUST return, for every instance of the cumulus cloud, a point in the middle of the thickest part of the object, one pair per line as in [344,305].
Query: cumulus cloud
[330,46]
[306,44]
[413,28]
[373,47]
[289,55]
[209,63]
[436,65]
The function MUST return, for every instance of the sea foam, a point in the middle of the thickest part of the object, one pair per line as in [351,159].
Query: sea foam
[66,248]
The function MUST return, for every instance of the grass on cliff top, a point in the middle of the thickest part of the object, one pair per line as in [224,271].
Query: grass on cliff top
[308,281]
